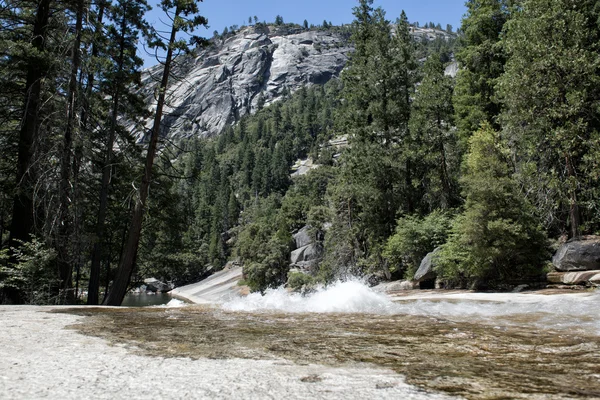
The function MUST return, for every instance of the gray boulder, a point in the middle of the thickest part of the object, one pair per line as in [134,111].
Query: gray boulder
[310,252]
[154,285]
[304,237]
[582,254]
[425,271]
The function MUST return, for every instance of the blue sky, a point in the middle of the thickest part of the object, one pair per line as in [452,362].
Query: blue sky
[222,13]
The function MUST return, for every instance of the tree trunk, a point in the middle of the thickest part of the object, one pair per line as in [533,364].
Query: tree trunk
[23,221]
[121,282]
[23,215]
[65,268]
[78,156]
[94,283]
[574,206]
[444,176]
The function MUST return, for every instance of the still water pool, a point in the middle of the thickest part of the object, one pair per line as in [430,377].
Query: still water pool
[144,300]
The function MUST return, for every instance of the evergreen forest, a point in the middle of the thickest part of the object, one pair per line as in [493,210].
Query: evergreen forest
[490,168]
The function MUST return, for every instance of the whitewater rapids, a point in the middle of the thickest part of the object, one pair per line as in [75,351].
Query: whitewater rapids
[572,311]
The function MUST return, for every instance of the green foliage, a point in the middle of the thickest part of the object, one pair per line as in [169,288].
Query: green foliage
[299,281]
[263,247]
[481,57]
[32,274]
[231,174]
[371,184]
[530,68]
[497,238]
[415,237]
[433,148]
[551,92]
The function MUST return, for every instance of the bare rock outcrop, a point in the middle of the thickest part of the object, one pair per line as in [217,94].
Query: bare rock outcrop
[581,254]
[425,271]
[237,75]
[216,86]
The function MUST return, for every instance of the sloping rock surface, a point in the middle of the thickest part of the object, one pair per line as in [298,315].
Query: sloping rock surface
[575,277]
[303,237]
[218,287]
[235,76]
[229,79]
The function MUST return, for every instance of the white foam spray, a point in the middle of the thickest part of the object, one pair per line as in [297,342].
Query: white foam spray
[348,297]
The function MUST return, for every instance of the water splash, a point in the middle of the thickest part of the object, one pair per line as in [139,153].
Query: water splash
[561,312]
[348,297]
[173,303]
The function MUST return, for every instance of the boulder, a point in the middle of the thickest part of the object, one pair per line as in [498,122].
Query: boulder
[154,285]
[575,277]
[581,254]
[310,252]
[520,288]
[396,286]
[425,271]
[304,237]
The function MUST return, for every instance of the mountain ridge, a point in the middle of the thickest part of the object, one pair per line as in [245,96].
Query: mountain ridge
[239,74]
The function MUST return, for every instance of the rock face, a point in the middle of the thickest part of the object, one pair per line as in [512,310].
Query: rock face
[221,286]
[304,237]
[237,75]
[452,70]
[222,83]
[308,251]
[581,254]
[303,167]
[425,271]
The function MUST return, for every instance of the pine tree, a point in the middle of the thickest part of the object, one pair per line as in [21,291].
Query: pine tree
[498,237]
[121,79]
[433,142]
[185,18]
[28,63]
[35,63]
[551,92]
[378,84]
[481,59]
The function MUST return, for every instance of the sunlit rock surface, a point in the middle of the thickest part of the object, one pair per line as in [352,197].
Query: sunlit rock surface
[218,287]
[425,271]
[575,277]
[45,357]
[216,86]
[219,85]
[474,345]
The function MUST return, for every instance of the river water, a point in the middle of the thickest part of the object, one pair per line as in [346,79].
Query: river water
[473,346]
[144,299]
